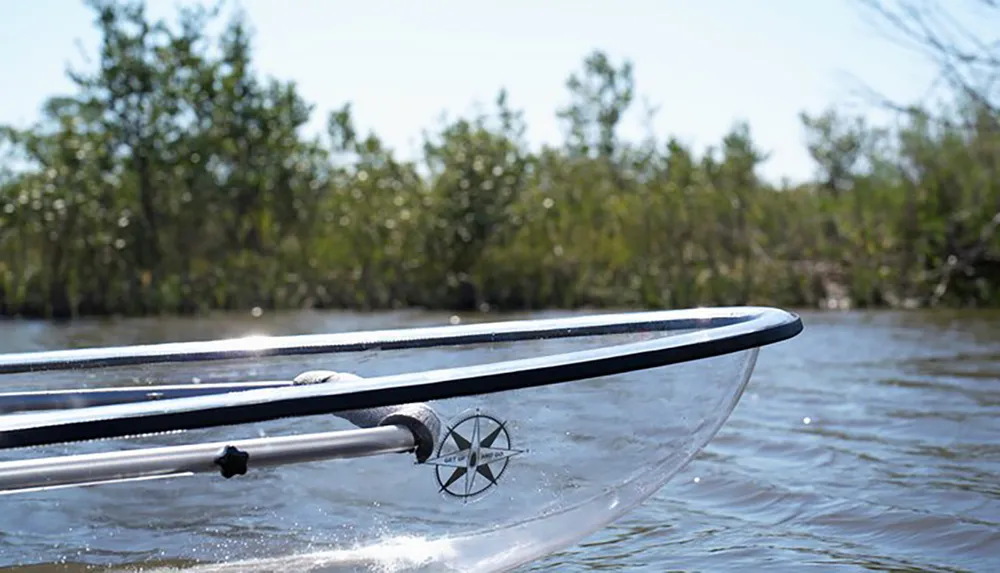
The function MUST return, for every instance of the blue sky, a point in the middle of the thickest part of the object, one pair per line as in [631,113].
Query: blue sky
[705,63]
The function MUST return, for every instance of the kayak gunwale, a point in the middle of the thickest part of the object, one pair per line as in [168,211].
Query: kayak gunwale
[716,331]
[398,339]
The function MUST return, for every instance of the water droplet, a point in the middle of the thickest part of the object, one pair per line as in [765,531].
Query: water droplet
[256,312]
[454,319]
[807,420]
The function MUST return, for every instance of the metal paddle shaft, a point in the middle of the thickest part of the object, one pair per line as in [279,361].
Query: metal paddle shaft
[227,458]
[394,429]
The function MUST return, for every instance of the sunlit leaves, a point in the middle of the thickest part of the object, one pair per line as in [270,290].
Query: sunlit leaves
[177,179]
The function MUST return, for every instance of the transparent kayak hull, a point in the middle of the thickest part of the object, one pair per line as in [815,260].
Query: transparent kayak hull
[521,465]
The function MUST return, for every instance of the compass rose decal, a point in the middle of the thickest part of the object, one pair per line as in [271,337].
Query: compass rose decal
[473,455]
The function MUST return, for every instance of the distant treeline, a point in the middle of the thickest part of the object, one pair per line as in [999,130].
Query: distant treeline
[177,179]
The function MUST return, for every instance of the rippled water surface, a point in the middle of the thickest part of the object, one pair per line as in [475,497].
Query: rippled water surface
[871,442]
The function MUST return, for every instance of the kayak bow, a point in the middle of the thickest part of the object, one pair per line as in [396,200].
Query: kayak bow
[604,409]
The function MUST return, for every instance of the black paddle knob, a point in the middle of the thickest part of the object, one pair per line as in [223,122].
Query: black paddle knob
[232,461]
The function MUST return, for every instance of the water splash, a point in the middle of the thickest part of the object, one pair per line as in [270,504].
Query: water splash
[392,555]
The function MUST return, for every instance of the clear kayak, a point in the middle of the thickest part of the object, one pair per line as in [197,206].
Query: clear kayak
[476,447]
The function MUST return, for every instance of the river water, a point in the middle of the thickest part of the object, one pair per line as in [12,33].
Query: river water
[871,442]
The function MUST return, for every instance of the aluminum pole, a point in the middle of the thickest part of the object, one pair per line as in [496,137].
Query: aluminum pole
[227,458]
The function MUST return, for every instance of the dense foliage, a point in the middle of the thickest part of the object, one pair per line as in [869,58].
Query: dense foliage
[176,179]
